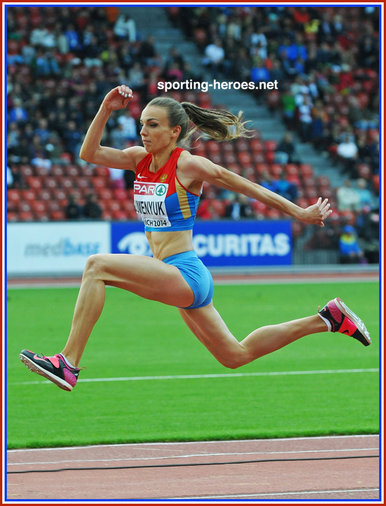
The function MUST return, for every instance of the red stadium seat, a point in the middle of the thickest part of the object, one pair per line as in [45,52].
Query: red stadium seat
[227,147]
[259,207]
[270,156]
[112,205]
[276,170]
[105,193]
[229,158]
[311,193]
[84,184]
[128,206]
[256,145]
[58,194]
[306,170]
[34,182]
[24,206]
[245,158]
[12,217]
[294,179]
[11,206]
[86,171]
[72,171]
[26,216]
[309,182]
[242,145]
[302,202]
[273,214]
[119,215]
[50,182]
[39,206]
[26,171]
[204,100]
[53,205]
[135,110]
[213,148]
[41,171]
[102,172]
[57,170]
[258,158]
[99,182]
[291,169]
[44,194]
[260,168]
[57,215]
[270,145]
[28,195]
[120,194]
[41,216]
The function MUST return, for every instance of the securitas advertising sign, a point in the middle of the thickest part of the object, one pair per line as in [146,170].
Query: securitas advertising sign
[220,243]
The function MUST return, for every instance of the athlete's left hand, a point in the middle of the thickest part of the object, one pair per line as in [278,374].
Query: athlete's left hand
[317,213]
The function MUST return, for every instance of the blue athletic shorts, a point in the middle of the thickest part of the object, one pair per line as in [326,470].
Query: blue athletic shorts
[196,275]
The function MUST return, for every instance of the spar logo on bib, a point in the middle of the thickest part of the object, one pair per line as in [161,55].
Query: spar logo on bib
[159,189]
[149,202]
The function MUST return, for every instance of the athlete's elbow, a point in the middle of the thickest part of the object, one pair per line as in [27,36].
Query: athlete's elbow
[86,155]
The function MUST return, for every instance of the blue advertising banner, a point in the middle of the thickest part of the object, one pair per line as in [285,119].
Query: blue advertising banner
[220,243]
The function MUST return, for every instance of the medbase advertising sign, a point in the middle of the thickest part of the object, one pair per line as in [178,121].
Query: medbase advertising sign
[54,248]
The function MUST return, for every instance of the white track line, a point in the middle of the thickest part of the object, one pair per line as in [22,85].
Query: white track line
[162,444]
[209,376]
[277,494]
[194,455]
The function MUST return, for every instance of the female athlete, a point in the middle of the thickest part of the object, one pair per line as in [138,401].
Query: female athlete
[166,193]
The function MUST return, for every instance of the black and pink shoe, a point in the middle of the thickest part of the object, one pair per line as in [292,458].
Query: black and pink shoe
[339,318]
[53,368]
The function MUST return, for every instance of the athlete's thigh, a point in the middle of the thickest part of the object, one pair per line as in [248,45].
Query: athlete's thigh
[208,326]
[148,277]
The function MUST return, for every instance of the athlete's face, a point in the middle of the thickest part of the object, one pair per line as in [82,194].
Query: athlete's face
[156,132]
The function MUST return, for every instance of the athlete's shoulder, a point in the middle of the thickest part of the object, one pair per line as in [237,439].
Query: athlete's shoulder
[189,160]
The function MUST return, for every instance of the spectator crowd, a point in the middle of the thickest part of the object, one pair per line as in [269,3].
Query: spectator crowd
[61,61]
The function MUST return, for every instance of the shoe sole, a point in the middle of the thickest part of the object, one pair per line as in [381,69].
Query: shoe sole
[61,383]
[355,318]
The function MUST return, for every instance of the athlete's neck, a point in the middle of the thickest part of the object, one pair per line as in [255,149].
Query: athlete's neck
[159,159]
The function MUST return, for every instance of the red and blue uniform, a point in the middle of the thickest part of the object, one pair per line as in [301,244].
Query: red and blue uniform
[161,200]
[165,205]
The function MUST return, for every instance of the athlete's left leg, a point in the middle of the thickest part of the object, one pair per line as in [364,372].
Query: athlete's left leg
[208,326]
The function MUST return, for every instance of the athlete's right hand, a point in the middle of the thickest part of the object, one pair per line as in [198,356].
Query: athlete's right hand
[118,98]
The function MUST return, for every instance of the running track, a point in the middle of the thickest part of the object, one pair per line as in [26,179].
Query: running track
[226,278]
[324,468]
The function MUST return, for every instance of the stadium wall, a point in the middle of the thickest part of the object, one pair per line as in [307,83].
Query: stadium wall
[62,248]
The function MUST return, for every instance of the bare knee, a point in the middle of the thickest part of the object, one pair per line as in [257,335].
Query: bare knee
[95,266]
[235,360]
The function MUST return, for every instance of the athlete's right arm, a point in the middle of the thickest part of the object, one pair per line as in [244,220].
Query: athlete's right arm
[92,151]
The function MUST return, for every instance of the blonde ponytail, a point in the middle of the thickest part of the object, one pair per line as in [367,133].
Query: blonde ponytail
[220,125]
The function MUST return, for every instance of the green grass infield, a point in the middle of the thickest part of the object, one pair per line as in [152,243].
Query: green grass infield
[147,378]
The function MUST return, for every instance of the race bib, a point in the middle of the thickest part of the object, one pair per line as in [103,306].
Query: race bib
[149,202]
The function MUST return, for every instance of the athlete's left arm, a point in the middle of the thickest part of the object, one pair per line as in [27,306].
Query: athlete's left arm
[202,169]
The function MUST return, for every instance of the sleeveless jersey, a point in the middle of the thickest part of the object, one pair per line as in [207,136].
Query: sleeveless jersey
[160,200]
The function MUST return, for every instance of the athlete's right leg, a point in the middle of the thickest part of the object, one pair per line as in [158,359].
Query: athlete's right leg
[148,277]
[145,276]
